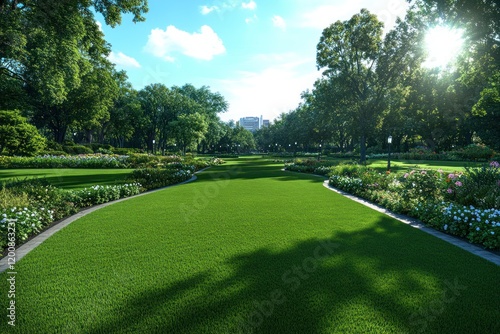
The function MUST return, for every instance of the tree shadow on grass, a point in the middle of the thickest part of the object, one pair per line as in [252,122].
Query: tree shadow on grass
[386,278]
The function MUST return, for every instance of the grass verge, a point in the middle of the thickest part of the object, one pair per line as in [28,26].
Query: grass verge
[249,248]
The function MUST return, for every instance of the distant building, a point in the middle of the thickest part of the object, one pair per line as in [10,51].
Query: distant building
[253,123]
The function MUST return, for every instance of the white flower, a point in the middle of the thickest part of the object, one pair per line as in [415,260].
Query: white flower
[492,232]
[445,227]
[477,229]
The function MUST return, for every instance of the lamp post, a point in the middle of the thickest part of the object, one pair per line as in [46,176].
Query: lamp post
[154,141]
[319,153]
[389,141]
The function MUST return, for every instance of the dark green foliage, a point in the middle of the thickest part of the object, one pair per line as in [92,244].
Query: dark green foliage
[17,136]
[77,149]
[152,178]
[479,187]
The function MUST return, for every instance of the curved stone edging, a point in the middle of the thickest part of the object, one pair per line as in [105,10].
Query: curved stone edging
[418,224]
[33,243]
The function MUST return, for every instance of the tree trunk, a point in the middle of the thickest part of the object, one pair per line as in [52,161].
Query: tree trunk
[59,133]
[362,148]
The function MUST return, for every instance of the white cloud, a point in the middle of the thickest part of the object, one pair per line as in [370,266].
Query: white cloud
[279,22]
[200,45]
[121,59]
[249,5]
[271,91]
[329,12]
[252,19]
[99,25]
[205,10]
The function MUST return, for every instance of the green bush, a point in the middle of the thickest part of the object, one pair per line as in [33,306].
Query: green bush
[479,187]
[88,161]
[54,146]
[9,199]
[42,194]
[126,151]
[77,149]
[17,136]
[475,152]
[153,178]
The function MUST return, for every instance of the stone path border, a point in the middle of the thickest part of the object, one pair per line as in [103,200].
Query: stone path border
[33,243]
[418,224]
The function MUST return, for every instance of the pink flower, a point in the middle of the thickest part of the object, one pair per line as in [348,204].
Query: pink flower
[451,176]
[406,175]
[458,184]
[449,191]
[423,172]
[494,164]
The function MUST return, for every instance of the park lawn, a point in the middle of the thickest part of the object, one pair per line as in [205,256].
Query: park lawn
[404,165]
[250,248]
[70,178]
[400,165]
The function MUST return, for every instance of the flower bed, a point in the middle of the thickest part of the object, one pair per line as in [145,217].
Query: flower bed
[308,166]
[76,161]
[463,204]
[48,204]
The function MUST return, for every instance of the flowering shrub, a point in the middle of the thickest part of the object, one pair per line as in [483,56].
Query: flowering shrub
[471,197]
[481,226]
[78,161]
[349,184]
[27,221]
[48,204]
[102,194]
[152,178]
[475,152]
[479,187]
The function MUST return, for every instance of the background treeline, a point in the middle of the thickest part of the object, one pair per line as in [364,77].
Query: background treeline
[374,86]
[57,87]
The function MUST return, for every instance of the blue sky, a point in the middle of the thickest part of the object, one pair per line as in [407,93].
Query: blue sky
[260,55]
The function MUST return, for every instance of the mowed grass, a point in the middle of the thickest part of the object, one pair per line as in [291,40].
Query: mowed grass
[404,165]
[70,178]
[250,248]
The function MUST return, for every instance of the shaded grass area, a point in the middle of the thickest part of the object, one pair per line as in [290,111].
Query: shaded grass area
[70,178]
[249,248]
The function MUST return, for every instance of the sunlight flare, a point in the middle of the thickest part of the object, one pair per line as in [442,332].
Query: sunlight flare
[442,45]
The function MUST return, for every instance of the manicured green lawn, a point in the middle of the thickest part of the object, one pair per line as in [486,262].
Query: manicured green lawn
[403,165]
[249,248]
[70,178]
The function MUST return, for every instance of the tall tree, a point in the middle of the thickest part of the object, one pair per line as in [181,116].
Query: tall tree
[53,47]
[189,129]
[355,55]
